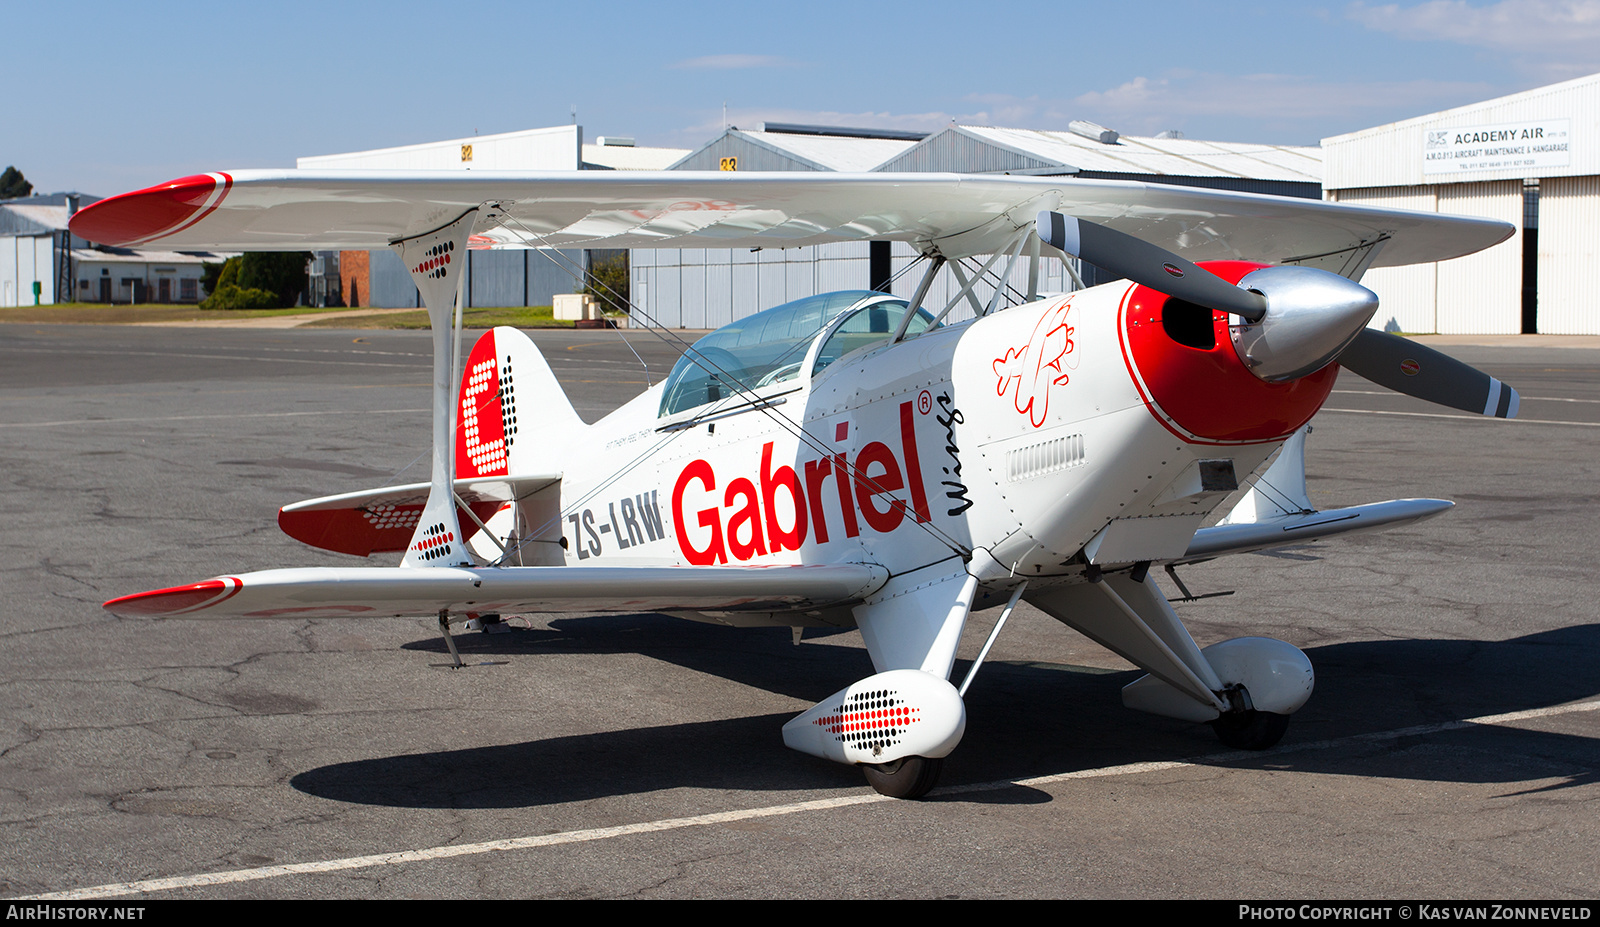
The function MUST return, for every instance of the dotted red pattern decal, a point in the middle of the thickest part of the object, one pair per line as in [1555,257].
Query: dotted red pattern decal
[384,516]
[870,720]
[434,543]
[436,260]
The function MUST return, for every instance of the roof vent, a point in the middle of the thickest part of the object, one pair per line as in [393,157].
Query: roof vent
[1099,133]
[1170,133]
[614,141]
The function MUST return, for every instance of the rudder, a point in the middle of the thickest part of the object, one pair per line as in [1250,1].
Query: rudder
[509,396]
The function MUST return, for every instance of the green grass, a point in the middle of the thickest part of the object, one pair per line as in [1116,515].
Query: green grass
[515,316]
[103,314]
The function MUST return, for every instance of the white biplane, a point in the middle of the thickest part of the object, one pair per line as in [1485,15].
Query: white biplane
[860,459]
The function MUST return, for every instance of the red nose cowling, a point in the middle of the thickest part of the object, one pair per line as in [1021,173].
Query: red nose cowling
[1183,361]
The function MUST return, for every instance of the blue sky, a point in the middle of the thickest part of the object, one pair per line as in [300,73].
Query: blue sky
[108,97]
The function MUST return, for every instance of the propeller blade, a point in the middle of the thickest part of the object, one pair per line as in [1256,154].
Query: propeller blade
[1407,367]
[1148,264]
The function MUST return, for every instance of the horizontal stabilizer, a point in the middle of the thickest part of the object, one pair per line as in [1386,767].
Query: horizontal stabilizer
[1221,540]
[381,520]
[413,592]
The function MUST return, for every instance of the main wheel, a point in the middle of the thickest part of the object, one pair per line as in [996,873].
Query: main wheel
[1250,730]
[907,777]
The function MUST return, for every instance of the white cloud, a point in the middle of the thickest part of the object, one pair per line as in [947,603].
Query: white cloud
[1274,108]
[733,62]
[1149,104]
[1558,37]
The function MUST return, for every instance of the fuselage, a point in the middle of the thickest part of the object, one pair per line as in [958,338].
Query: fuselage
[1026,434]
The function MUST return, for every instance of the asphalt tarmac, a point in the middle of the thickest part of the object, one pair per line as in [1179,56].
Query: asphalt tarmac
[1451,750]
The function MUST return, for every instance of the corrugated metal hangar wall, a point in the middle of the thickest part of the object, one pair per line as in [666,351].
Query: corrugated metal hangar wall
[1531,159]
[709,288]
[494,278]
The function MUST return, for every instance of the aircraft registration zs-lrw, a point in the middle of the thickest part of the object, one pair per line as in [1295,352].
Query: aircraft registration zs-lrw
[862,459]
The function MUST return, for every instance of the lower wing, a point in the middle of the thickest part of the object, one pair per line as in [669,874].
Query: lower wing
[413,592]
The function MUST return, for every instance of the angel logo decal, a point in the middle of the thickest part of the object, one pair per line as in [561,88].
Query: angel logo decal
[1043,362]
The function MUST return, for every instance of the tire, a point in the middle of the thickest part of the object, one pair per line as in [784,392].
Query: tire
[1251,730]
[910,777]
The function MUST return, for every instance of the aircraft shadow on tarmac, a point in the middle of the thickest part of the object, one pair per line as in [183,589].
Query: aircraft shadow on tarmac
[1024,720]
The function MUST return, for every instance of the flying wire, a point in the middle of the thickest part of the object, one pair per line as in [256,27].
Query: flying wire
[757,402]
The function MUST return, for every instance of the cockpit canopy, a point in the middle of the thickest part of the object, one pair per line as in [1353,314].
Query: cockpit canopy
[771,346]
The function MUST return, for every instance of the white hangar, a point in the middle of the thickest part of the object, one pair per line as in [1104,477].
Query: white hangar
[494,278]
[1531,159]
[707,288]
[43,263]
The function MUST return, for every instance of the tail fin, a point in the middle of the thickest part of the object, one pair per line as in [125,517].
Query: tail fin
[513,415]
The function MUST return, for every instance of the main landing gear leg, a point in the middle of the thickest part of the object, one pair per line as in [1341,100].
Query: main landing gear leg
[444,628]
[1245,688]
[898,725]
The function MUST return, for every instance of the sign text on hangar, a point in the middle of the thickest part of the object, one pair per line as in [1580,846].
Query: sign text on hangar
[1523,147]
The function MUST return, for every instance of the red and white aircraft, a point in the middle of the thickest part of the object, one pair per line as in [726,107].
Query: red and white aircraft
[857,459]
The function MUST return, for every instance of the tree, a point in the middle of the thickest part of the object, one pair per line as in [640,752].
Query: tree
[211,276]
[13,184]
[272,280]
[608,282]
[279,272]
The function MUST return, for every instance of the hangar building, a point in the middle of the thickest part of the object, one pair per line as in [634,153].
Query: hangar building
[494,278]
[695,288]
[41,261]
[1531,159]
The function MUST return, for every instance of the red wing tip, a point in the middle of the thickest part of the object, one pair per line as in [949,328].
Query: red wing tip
[177,600]
[135,218]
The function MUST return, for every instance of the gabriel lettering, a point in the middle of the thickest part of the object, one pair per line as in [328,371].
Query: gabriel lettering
[784,506]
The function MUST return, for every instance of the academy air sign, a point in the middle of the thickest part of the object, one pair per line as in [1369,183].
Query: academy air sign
[1523,147]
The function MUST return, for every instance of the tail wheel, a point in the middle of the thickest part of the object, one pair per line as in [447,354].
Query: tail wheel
[907,777]
[1251,729]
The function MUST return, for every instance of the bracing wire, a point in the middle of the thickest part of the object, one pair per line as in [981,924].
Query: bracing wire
[782,421]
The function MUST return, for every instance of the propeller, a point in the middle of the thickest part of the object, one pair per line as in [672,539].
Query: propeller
[1151,265]
[1407,367]
[1293,320]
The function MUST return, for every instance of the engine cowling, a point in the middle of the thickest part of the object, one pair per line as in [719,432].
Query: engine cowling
[1185,365]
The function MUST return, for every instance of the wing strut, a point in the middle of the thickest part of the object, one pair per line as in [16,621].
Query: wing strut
[444,628]
[436,261]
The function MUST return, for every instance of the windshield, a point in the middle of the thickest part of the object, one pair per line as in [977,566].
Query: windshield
[759,350]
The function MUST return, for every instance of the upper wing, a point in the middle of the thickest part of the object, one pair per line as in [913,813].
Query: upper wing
[959,215]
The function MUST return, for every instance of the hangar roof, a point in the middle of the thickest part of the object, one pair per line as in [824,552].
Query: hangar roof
[1038,151]
[31,219]
[630,158]
[784,151]
[126,256]
[1445,147]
